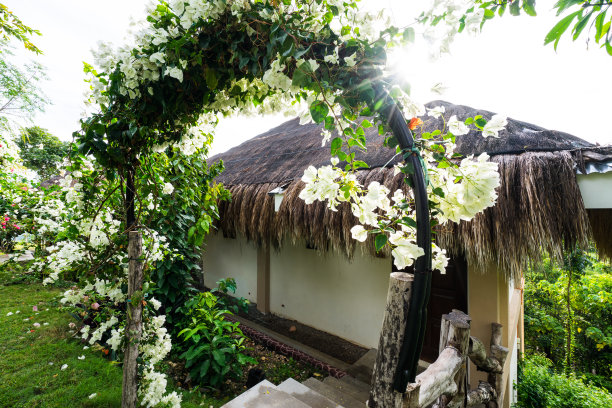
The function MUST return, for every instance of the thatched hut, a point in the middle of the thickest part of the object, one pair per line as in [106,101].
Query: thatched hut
[318,275]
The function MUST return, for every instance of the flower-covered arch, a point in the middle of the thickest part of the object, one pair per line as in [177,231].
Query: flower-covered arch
[194,62]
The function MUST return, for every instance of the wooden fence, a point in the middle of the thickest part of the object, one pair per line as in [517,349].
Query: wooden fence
[444,383]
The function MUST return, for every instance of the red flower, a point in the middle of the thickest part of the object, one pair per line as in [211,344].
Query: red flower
[414,122]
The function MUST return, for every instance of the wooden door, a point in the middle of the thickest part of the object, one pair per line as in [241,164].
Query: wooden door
[448,292]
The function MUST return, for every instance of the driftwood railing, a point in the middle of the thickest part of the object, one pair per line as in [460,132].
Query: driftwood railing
[444,383]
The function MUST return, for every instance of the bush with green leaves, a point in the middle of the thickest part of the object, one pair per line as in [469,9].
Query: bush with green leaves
[568,310]
[539,386]
[213,346]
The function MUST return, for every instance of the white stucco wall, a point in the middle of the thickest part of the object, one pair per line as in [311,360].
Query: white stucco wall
[330,293]
[231,258]
[596,189]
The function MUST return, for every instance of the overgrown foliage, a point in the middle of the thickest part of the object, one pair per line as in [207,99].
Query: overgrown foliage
[568,310]
[539,386]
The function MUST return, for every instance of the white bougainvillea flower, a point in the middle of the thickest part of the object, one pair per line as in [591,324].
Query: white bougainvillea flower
[436,112]
[405,251]
[168,188]
[494,126]
[457,127]
[359,233]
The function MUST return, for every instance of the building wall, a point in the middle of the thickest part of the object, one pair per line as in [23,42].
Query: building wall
[596,189]
[330,293]
[231,258]
[494,299]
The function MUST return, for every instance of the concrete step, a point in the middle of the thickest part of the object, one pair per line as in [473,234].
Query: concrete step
[306,395]
[362,368]
[355,382]
[333,394]
[265,395]
[353,391]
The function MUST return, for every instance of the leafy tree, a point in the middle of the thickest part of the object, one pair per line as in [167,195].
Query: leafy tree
[41,151]
[584,16]
[567,313]
[20,94]
[11,27]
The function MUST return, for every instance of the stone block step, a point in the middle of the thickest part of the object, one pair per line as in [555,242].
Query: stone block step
[349,379]
[359,395]
[306,395]
[334,394]
[265,395]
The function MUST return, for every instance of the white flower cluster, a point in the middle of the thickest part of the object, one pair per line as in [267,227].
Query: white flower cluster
[156,342]
[450,12]
[467,189]
[64,255]
[152,389]
[154,346]
[475,191]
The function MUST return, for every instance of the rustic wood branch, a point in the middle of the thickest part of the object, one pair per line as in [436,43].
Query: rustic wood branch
[456,333]
[482,395]
[478,355]
[133,332]
[439,378]
[496,334]
[382,394]
[500,353]
[411,396]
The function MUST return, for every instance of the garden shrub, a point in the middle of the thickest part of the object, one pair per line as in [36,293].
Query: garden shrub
[213,344]
[539,386]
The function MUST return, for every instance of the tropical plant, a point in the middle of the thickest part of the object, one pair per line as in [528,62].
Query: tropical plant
[539,386]
[213,345]
[567,313]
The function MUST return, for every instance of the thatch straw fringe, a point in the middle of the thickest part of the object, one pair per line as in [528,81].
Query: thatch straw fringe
[602,231]
[539,208]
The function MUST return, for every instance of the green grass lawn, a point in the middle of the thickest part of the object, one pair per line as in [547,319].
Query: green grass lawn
[31,358]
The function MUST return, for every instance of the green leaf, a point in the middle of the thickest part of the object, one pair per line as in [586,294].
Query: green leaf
[529,7]
[581,24]
[358,164]
[211,78]
[558,30]
[336,145]
[318,111]
[380,241]
[302,77]
[408,34]
[514,8]
[599,23]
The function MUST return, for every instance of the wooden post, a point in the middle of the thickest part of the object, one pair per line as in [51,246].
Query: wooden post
[382,394]
[499,353]
[133,330]
[455,332]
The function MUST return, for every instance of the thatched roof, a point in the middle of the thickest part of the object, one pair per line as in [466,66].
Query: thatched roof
[539,204]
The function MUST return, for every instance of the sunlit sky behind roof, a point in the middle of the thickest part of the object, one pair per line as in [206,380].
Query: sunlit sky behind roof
[506,69]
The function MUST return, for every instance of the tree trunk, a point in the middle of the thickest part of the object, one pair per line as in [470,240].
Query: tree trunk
[382,394]
[133,328]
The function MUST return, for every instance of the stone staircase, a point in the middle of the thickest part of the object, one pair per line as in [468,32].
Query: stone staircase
[347,392]
[350,391]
